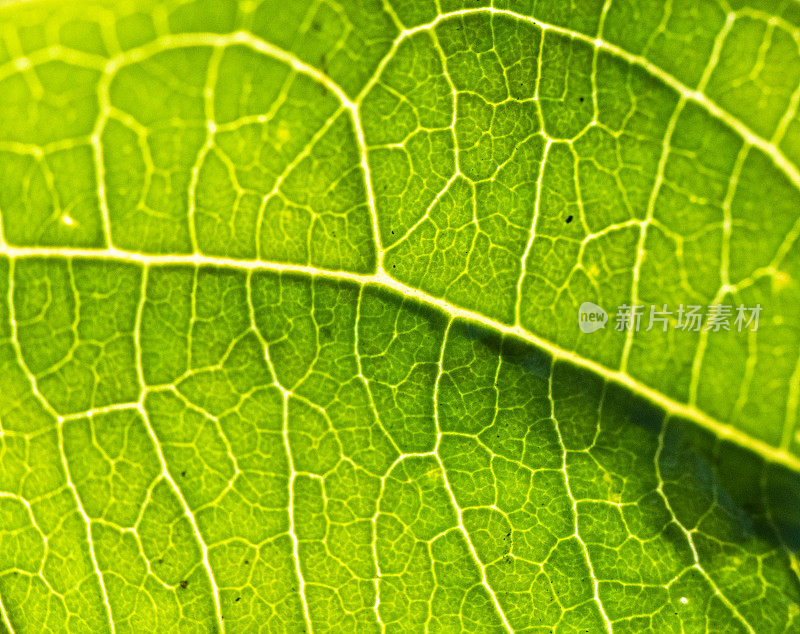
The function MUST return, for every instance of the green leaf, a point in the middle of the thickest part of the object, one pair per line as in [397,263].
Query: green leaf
[289,336]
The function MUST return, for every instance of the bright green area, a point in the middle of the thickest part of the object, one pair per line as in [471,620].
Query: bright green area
[215,444]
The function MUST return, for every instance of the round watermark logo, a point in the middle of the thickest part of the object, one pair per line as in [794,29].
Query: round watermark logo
[591,317]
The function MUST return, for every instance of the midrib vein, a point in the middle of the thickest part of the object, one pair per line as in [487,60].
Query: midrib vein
[671,406]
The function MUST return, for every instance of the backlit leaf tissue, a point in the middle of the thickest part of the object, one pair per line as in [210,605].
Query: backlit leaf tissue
[309,316]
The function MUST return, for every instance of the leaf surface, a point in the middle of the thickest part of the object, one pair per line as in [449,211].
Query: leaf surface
[289,334]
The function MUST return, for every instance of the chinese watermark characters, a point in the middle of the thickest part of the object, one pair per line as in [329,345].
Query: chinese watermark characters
[686,318]
[691,318]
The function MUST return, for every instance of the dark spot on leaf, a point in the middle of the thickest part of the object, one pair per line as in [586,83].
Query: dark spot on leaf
[161,560]
[183,473]
[237,598]
[569,219]
[183,584]
[581,99]
[246,561]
